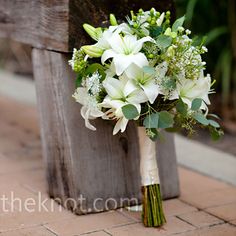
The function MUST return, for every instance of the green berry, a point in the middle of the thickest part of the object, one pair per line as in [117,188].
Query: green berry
[151,56]
[152,11]
[135,25]
[149,19]
[153,22]
[168,13]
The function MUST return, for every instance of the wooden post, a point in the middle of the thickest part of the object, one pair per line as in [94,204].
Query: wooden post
[81,164]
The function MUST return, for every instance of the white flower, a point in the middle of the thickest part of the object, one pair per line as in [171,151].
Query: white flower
[92,83]
[103,41]
[160,19]
[90,109]
[189,89]
[145,81]
[125,51]
[120,93]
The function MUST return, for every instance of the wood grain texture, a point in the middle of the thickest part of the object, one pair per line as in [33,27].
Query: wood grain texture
[80,161]
[57,24]
[41,23]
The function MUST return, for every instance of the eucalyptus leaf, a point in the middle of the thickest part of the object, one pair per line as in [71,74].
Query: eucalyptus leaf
[199,117]
[95,67]
[78,80]
[163,41]
[130,111]
[214,123]
[178,23]
[151,121]
[196,104]
[182,108]
[149,70]
[155,31]
[165,120]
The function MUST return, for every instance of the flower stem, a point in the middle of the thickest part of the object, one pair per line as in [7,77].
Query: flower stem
[153,215]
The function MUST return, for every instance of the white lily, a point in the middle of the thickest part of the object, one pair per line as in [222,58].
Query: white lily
[125,51]
[90,109]
[103,39]
[144,81]
[189,89]
[160,19]
[120,93]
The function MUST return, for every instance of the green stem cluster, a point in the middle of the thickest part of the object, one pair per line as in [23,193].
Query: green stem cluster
[152,215]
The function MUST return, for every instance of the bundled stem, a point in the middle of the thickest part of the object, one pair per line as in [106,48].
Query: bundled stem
[152,215]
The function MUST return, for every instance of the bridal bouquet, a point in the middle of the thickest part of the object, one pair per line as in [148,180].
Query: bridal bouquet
[150,71]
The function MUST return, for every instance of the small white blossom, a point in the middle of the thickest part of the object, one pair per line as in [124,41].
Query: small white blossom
[92,83]
[90,108]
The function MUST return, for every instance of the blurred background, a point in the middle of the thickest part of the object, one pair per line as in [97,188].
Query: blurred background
[213,21]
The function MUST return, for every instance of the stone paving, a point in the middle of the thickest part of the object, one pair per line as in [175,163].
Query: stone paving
[206,207]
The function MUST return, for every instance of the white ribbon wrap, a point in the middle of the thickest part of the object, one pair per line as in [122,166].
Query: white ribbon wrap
[148,162]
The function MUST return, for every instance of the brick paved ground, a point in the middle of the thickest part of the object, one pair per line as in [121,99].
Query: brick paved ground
[206,206]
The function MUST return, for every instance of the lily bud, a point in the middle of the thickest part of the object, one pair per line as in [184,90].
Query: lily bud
[92,50]
[160,19]
[91,31]
[113,20]
[168,32]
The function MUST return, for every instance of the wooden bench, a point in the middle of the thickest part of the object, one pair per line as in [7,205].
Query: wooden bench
[80,161]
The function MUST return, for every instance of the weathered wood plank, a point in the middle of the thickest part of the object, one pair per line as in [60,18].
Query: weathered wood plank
[41,24]
[80,161]
[57,24]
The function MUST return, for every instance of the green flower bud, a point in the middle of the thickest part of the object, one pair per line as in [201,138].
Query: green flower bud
[152,11]
[91,31]
[151,56]
[168,22]
[113,20]
[92,50]
[168,13]
[140,10]
[158,14]
[153,22]
[149,19]
[135,25]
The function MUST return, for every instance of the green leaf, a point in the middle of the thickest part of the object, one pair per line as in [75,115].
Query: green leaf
[214,116]
[163,41]
[165,120]
[155,31]
[153,134]
[151,121]
[149,70]
[130,111]
[182,108]
[78,80]
[196,104]
[179,22]
[199,117]
[216,134]
[95,67]
[214,123]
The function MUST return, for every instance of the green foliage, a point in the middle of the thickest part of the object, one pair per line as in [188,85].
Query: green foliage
[199,117]
[151,121]
[196,104]
[182,108]
[165,120]
[163,41]
[178,23]
[95,67]
[130,111]
[149,70]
